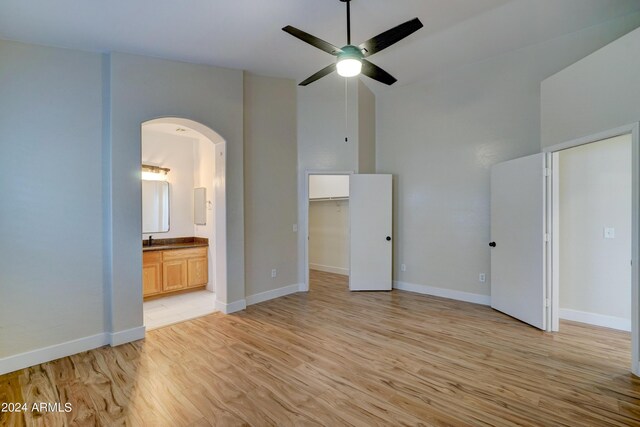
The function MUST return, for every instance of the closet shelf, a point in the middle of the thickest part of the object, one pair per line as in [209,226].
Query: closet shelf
[328,199]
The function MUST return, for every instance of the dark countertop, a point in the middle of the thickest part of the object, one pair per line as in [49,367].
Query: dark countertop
[176,243]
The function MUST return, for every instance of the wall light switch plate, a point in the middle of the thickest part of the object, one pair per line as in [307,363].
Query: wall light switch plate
[274,272]
[403,267]
[609,233]
[295,228]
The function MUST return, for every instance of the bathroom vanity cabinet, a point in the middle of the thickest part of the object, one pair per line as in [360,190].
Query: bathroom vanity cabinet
[172,270]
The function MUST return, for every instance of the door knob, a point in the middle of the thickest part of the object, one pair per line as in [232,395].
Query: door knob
[388,238]
[492,244]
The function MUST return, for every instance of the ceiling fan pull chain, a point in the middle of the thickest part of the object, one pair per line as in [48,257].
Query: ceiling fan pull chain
[346,109]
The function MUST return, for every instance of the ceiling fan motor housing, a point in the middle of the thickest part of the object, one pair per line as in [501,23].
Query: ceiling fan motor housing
[350,52]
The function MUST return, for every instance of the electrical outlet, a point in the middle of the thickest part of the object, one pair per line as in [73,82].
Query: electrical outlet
[482,278]
[403,267]
[295,228]
[274,272]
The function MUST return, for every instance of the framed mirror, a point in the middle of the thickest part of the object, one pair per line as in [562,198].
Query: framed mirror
[155,206]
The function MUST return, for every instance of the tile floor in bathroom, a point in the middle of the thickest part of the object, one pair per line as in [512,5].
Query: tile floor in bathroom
[177,308]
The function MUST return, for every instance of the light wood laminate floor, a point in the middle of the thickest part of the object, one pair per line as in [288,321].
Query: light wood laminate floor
[334,358]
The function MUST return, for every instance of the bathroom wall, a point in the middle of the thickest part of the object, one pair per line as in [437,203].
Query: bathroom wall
[176,153]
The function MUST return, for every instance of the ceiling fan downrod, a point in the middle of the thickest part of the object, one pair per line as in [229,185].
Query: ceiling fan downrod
[348,2]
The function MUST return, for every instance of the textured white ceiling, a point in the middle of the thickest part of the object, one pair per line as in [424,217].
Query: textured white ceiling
[246,34]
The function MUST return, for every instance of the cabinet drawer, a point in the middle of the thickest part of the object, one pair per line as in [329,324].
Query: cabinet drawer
[151,257]
[184,253]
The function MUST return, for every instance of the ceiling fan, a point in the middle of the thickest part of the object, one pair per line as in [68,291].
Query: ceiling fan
[351,59]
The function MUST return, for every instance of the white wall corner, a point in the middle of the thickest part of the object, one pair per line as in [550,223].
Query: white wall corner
[231,307]
[126,336]
[53,352]
[443,293]
[596,319]
[274,293]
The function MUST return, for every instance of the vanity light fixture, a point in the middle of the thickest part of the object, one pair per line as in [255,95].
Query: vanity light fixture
[154,173]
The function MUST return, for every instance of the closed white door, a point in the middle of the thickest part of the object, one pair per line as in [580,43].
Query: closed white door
[370,209]
[518,248]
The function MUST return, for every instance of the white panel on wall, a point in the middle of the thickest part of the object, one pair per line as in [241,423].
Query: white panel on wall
[328,186]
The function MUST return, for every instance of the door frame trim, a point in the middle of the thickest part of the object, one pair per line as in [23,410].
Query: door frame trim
[634,130]
[303,228]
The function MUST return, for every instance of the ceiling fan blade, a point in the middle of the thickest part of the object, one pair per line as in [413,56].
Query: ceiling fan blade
[326,70]
[312,40]
[389,37]
[377,73]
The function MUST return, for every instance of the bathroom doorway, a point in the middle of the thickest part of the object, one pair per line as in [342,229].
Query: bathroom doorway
[183,224]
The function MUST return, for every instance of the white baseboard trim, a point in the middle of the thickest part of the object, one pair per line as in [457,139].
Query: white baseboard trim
[232,307]
[329,269]
[444,293]
[53,352]
[128,335]
[274,293]
[612,322]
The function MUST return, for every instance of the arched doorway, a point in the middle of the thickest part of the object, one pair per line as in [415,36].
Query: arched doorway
[197,155]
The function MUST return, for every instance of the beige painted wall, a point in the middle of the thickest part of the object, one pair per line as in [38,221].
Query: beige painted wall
[596,94]
[329,236]
[51,240]
[440,139]
[138,89]
[270,183]
[366,129]
[595,192]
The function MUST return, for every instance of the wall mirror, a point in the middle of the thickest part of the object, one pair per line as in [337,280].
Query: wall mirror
[200,206]
[155,206]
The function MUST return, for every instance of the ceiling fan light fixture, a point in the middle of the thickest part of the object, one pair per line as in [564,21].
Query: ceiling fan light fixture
[349,67]
[349,61]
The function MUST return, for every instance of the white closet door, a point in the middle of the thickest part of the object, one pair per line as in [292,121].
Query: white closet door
[370,207]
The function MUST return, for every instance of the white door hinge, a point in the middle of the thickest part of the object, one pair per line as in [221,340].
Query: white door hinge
[546,172]
[547,237]
[546,302]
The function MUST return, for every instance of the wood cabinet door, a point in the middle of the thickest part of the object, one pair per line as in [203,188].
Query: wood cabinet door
[198,270]
[151,279]
[174,275]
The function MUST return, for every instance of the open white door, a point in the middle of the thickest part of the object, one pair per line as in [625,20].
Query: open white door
[518,253]
[370,209]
